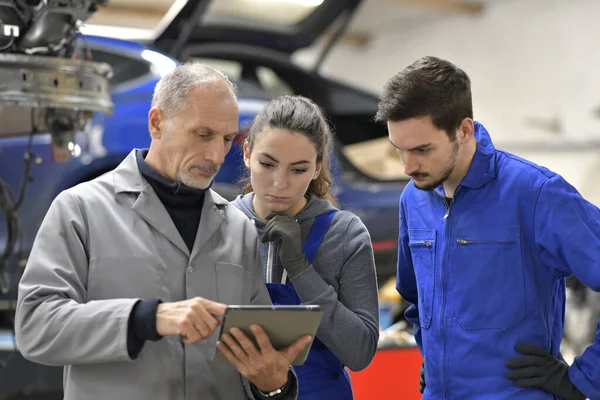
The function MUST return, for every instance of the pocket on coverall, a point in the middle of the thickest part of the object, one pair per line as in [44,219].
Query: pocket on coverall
[422,250]
[489,278]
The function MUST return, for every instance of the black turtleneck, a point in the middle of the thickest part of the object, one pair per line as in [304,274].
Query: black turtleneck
[184,205]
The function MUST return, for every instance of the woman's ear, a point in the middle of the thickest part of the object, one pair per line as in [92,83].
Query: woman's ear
[246,153]
[318,171]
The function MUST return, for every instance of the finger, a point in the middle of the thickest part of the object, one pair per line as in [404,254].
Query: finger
[531,382]
[235,348]
[271,233]
[526,361]
[205,323]
[531,350]
[292,351]
[265,236]
[279,220]
[188,331]
[272,214]
[223,348]
[526,373]
[272,222]
[245,343]
[215,309]
[262,339]
[191,339]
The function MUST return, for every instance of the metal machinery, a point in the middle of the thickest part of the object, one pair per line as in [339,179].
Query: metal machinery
[48,84]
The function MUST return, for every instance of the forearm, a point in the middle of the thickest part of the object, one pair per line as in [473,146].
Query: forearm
[412,316]
[406,286]
[562,221]
[58,331]
[584,372]
[342,330]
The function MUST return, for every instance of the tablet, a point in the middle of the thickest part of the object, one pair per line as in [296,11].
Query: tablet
[283,323]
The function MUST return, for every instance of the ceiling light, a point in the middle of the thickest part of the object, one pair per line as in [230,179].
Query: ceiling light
[160,63]
[307,3]
[118,32]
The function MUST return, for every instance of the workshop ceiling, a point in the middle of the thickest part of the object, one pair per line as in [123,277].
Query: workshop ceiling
[374,16]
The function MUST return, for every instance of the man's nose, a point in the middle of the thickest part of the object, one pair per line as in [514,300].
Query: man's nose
[216,153]
[410,165]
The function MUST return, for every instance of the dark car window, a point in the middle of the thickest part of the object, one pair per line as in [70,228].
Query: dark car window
[124,68]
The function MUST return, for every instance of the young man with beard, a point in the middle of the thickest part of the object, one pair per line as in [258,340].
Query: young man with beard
[486,242]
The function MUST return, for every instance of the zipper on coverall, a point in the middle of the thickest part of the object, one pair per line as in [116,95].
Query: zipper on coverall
[443,319]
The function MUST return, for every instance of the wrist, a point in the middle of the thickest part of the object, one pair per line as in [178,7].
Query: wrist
[274,385]
[296,266]
[275,393]
[165,325]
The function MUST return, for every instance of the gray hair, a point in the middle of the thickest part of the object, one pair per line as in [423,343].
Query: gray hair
[171,91]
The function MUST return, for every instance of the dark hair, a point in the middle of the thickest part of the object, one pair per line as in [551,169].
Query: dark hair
[298,114]
[428,87]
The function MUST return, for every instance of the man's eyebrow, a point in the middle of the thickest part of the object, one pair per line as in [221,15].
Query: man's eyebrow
[419,147]
[206,129]
[275,160]
[209,131]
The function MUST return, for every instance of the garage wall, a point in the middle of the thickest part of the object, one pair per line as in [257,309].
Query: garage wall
[535,70]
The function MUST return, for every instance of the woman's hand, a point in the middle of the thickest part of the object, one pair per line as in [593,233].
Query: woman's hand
[285,228]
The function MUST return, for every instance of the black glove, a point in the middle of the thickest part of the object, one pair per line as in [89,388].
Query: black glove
[538,368]
[422,380]
[284,227]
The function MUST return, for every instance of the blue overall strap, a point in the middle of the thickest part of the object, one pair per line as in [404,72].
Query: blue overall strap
[317,232]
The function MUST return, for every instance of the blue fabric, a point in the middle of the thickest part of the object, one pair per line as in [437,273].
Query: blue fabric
[322,377]
[491,274]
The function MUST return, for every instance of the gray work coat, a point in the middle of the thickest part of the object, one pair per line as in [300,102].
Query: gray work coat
[109,242]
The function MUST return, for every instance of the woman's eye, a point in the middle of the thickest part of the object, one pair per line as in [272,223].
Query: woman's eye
[266,165]
[299,171]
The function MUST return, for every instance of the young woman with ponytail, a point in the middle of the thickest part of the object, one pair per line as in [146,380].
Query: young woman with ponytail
[312,252]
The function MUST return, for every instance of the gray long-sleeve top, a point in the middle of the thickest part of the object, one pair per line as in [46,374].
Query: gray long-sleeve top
[342,280]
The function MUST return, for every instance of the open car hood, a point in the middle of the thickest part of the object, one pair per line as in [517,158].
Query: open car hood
[281,25]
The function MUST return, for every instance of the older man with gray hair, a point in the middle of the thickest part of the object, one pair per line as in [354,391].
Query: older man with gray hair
[131,272]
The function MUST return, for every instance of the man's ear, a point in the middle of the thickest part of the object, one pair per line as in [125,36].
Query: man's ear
[156,123]
[466,130]
[246,148]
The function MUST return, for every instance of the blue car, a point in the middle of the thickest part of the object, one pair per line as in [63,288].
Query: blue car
[258,59]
